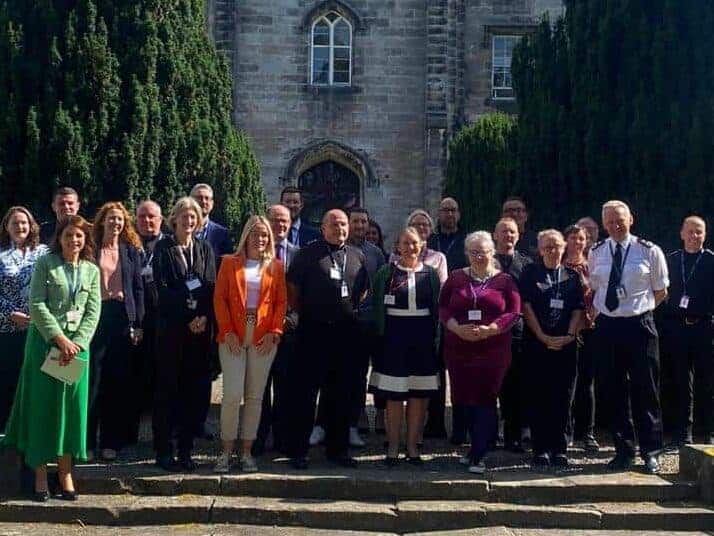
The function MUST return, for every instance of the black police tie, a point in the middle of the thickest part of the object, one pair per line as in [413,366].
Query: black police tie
[611,299]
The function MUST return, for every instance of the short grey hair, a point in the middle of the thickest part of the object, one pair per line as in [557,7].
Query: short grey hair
[419,212]
[615,204]
[550,233]
[483,237]
[149,203]
[201,186]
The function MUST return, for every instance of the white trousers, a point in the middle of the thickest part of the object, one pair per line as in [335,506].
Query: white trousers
[244,377]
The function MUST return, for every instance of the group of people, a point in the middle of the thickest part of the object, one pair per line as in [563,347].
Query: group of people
[522,322]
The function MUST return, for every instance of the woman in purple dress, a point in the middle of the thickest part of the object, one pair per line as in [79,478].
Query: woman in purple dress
[478,306]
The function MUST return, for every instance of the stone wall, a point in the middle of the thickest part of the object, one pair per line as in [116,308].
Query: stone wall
[381,117]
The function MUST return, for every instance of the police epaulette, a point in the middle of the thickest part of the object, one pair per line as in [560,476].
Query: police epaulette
[596,245]
[645,243]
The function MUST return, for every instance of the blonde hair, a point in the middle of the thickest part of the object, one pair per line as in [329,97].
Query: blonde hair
[269,252]
[409,230]
[548,233]
[615,204]
[185,203]
[486,238]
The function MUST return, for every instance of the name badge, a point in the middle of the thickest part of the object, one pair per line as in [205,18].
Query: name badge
[193,284]
[344,291]
[389,299]
[621,292]
[684,302]
[335,274]
[148,274]
[191,304]
[474,314]
[73,319]
[556,304]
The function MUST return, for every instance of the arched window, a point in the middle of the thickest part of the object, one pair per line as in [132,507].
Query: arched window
[331,51]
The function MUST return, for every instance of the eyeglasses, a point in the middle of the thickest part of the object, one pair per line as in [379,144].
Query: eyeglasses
[448,210]
[478,253]
[514,209]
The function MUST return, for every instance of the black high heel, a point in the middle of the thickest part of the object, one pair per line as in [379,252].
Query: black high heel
[41,496]
[59,492]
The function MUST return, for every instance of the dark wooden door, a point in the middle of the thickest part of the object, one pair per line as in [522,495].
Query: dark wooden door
[326,186]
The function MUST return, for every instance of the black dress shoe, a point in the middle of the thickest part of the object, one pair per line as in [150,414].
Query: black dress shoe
[186,463]
[417,460]
[620,463]
[41,496]
[343,461]
[541,460]
[167,463]
[68,495]
[391,461]
[299,463]
[651,465]
[559,460]
[673,446]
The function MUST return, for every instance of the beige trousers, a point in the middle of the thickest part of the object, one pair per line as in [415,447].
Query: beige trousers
[244,377]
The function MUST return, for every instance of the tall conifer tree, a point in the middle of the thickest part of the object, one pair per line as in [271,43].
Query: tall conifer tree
[122,99]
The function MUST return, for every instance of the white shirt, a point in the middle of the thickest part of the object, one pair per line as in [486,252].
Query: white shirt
[252,280]
[644,272]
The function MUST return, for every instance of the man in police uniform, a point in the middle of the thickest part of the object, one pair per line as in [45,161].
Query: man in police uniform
[629,279]
[688,330]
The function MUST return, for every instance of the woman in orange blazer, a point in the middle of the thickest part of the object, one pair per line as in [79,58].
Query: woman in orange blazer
[250,302]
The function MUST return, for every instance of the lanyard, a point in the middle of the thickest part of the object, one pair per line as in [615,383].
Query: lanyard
[481,287]
[187,262]
[73,282]
[691,272]
[621,268]
[451,244]
[556,283]
[336,266]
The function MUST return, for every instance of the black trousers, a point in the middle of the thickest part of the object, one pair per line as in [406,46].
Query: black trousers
[143,359]
[110,380]
[13,349]
[582,414]
[628,367]
[182,380]
[690,350]
[365,345]
[325,363]
[276,400]
[552,374]
[515,396]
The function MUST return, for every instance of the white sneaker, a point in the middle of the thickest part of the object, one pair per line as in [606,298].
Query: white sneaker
[477,469]
[465,460]
[317,436]
[355,439]
[223,463]
[248,465]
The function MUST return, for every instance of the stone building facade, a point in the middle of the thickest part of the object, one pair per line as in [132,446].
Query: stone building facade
[354,100]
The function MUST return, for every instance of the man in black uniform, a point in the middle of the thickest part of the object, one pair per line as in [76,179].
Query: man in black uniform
[515,393]
[449,240]
[326,283]
[688,328]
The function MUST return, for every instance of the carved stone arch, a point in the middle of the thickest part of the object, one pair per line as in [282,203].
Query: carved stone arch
[322,151]
[338,6]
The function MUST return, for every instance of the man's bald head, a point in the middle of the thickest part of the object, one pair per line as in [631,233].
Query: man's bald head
[449,215]
[335,227]
[280,221]
[148,219]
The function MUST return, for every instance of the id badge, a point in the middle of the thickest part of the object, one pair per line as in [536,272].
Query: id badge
[148,274]
[474,314]
[344,291]
[193,284]
[684,302]
[73,318]
[556,304]
[191,304]
[335,274]
[621,292]
[389,299]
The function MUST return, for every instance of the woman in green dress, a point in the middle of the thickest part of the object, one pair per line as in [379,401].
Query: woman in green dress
[48,420]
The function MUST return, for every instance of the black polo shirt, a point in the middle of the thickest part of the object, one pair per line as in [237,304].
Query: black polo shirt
[541,286]
[696,281]
[320,293]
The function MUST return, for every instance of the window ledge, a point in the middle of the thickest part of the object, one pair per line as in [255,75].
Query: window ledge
[331,90]
[506,105]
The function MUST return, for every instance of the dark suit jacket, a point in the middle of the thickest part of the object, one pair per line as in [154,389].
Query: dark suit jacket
[291,318]
[515,270]
[47,231]
[170,277]
[528,244]
[132,282]
[452,246]
[218,237]
[306,234]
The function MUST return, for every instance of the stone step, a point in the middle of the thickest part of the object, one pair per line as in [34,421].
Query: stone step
[48,529]
[400,517]
[371,484]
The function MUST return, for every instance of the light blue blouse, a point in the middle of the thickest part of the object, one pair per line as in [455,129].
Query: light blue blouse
[15,274]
